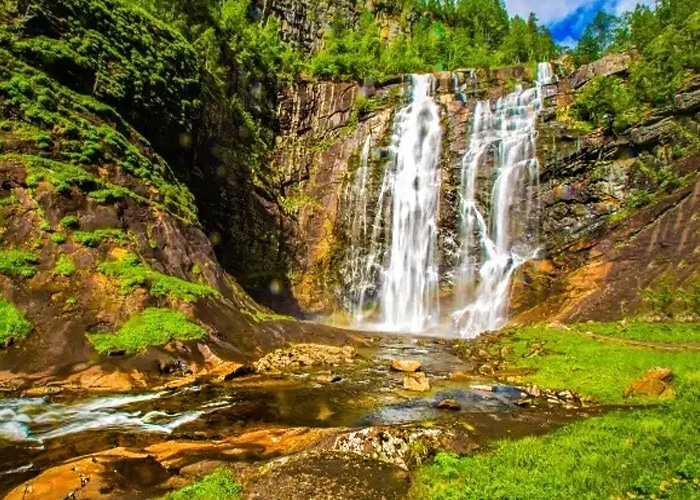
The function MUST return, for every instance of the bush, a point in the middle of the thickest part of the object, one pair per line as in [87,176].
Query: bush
[70,222]
[96,238]
[18,264]
[13,325]
[607,103]
[65,266]
[153,327]
[218,486]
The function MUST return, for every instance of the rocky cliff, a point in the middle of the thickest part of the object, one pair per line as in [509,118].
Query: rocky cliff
[592,186]
[101,245]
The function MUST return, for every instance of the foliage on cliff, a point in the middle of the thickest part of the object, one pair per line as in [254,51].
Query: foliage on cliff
[433,35]
[667,39]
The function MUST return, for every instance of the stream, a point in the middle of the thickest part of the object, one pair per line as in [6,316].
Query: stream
[38,433]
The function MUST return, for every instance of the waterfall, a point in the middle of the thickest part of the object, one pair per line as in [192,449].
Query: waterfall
[497,235]
[359,269]
[409,293]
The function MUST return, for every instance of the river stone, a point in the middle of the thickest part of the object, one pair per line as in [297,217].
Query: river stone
[405,365]
[656,382]
[449,404]
[304,356]
[417,382]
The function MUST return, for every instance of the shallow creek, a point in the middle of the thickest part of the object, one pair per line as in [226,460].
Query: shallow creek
[39,433]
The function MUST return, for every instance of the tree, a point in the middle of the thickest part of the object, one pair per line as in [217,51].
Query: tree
[598,36]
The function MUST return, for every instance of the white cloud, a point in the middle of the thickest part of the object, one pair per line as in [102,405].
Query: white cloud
[551,11]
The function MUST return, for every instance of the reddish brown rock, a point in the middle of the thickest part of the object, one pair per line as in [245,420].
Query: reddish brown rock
[656,383]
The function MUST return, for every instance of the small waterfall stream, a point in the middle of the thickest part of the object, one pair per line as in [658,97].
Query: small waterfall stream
[394,262]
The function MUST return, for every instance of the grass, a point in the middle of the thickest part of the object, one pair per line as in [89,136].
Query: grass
[65,266]
[650,452]
[153,327]
[662,333]
[132,274]
[94,239]
[16,263]
[13,325]
[220,485]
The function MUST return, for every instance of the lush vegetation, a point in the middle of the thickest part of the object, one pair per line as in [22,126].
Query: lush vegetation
[643,453]
[662,333]
[153,327]
[17,263]
[439,36]
[13,325]
[220,485]
[95,238]
[667,38]
[132,274]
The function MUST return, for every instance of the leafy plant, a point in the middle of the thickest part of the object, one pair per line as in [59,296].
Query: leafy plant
[13,325]
[70,222]
[95,238]
[220,485]
[18,263]
[65,266]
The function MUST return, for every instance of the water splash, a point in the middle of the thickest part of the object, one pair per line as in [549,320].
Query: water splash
[409,294]
[497,235]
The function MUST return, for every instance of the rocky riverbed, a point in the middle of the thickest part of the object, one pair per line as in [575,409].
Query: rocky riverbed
[286,423]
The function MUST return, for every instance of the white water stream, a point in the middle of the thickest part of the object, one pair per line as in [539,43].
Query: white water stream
[409,293]
[499,236]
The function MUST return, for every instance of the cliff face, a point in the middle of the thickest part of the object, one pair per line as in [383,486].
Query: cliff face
[592,187]
[304,23]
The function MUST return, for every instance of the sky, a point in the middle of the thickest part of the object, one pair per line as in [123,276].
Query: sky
[567,19]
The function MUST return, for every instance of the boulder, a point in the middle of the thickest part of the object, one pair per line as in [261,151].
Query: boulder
[612,64]
[405,365]
[417,382]
[448,404]
[656,383]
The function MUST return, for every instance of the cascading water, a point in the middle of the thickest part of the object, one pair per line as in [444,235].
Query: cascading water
[493,248]
[409,293]
[358,267]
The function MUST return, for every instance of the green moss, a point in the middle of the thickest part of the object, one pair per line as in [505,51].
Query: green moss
[220,485]
[153,327]
[13,325]
[8,201]
[58,238]
[132,274]
[65,266]
[70,222]
[95,238]
[17,263]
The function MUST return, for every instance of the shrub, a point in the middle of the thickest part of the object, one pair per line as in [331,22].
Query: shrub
[13,325]
[65,266]
[96,238]
[218,486]
[70,222]
[17,263]
[58,238]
